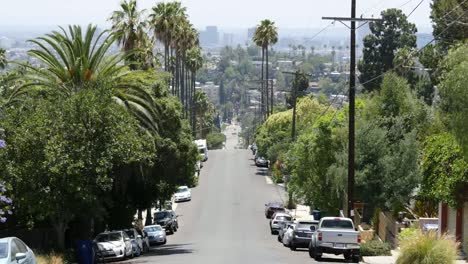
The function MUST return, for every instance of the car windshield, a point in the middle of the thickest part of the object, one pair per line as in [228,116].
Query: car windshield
[283,218]
[109,237]
[130,233]
[3,250]
[153,229]
[181,190]
[342,224]
[161,215]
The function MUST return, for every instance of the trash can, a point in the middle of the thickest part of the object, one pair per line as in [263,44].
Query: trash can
[85,252]
[316,214]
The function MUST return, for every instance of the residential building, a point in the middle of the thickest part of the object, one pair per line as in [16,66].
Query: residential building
[454,222]
[210,36]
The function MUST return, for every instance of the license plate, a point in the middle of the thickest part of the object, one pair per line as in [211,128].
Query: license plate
[340,245]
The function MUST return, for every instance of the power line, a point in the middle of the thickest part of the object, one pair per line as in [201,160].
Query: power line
[414,9]
[399,65]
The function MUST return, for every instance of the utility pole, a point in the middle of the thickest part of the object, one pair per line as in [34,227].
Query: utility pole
[352,94]
[294,94]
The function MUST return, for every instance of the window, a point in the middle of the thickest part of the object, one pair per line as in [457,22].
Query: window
[21,246]
[13,250]
[341,224]
[3,250]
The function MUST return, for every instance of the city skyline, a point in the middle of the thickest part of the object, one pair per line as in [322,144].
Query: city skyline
[227,15]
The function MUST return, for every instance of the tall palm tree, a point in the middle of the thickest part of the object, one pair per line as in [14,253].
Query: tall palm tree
[74,59]
[3,60]
[130,27]
[194,62]
[268,33]
[258,40]
[163,19]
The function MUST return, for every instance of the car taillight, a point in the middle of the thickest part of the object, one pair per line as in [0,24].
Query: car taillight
[359,238]
[320,236]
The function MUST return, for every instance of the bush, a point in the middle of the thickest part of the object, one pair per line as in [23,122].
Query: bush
[51,258]
[427,248]
[376,248]
[215,140]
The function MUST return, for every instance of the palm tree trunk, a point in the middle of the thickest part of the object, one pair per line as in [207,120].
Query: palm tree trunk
[267,91]
[263,84]
[272,93]
[193,108]
[171,55]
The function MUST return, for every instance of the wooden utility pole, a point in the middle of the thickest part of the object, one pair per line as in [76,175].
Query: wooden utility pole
[294,94]
[352,93]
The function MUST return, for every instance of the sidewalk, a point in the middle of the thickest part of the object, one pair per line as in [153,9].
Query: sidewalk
[392,259]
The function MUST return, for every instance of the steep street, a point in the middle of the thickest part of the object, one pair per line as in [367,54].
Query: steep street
[225,221]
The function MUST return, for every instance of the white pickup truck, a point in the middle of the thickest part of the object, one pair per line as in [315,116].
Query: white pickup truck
[336,235]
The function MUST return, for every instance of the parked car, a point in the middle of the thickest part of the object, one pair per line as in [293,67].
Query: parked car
[299,236]
[137,241]
[278,221]
[183,193]
[336,235]
[282,231]
[145,240]
[13,251]
[167,219]
[262,162]
[273,207]
[156,234]
[115,245]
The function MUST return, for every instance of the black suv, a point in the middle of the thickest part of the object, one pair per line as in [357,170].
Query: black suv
[167,219]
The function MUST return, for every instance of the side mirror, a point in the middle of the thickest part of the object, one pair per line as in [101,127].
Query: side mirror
[20,256]
[126,239]
[139,236]
[266,204]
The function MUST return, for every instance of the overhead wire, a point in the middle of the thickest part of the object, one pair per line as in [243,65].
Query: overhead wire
[397,66]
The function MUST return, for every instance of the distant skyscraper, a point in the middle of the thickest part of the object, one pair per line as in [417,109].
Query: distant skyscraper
[251,33]
[228,39]
[210,36]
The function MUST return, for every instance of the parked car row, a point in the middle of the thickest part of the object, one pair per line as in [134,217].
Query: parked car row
[330,235]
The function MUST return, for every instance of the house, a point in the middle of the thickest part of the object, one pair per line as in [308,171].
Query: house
[454,222]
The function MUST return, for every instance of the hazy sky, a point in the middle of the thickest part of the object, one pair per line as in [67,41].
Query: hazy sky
[223,13]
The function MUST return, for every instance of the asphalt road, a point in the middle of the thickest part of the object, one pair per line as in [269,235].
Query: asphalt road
[225,222]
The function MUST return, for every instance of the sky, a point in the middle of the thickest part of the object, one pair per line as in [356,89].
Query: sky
[222,13]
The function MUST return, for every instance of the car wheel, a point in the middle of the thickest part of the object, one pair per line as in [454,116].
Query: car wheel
[356,259]
[312,252]
[279,238]
[293,248]
[165,241]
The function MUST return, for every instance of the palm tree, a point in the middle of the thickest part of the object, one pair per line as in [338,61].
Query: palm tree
[130,28]
[258,40]
[163,20]
[194,62]
[268,34]
[3,60]
[72,60]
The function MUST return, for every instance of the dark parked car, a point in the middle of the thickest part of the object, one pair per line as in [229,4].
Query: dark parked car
[262,162]
[273,207]
[167,219]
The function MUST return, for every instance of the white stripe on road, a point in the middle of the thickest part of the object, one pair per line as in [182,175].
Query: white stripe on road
[268,180]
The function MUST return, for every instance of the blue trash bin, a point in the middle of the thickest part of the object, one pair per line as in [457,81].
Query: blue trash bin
[85,252]
[316,214]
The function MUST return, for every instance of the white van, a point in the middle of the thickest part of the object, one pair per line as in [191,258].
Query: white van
[202,148]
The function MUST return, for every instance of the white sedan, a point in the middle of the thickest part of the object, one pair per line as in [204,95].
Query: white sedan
[13,251]
[183,193]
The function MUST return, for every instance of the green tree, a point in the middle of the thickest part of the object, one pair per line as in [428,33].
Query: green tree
[445,171]
[67,149]
[3,60]
[388,36]
[454,95]
[204,114]
[129,26]
[266,34]
[163,20]
[449,22]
